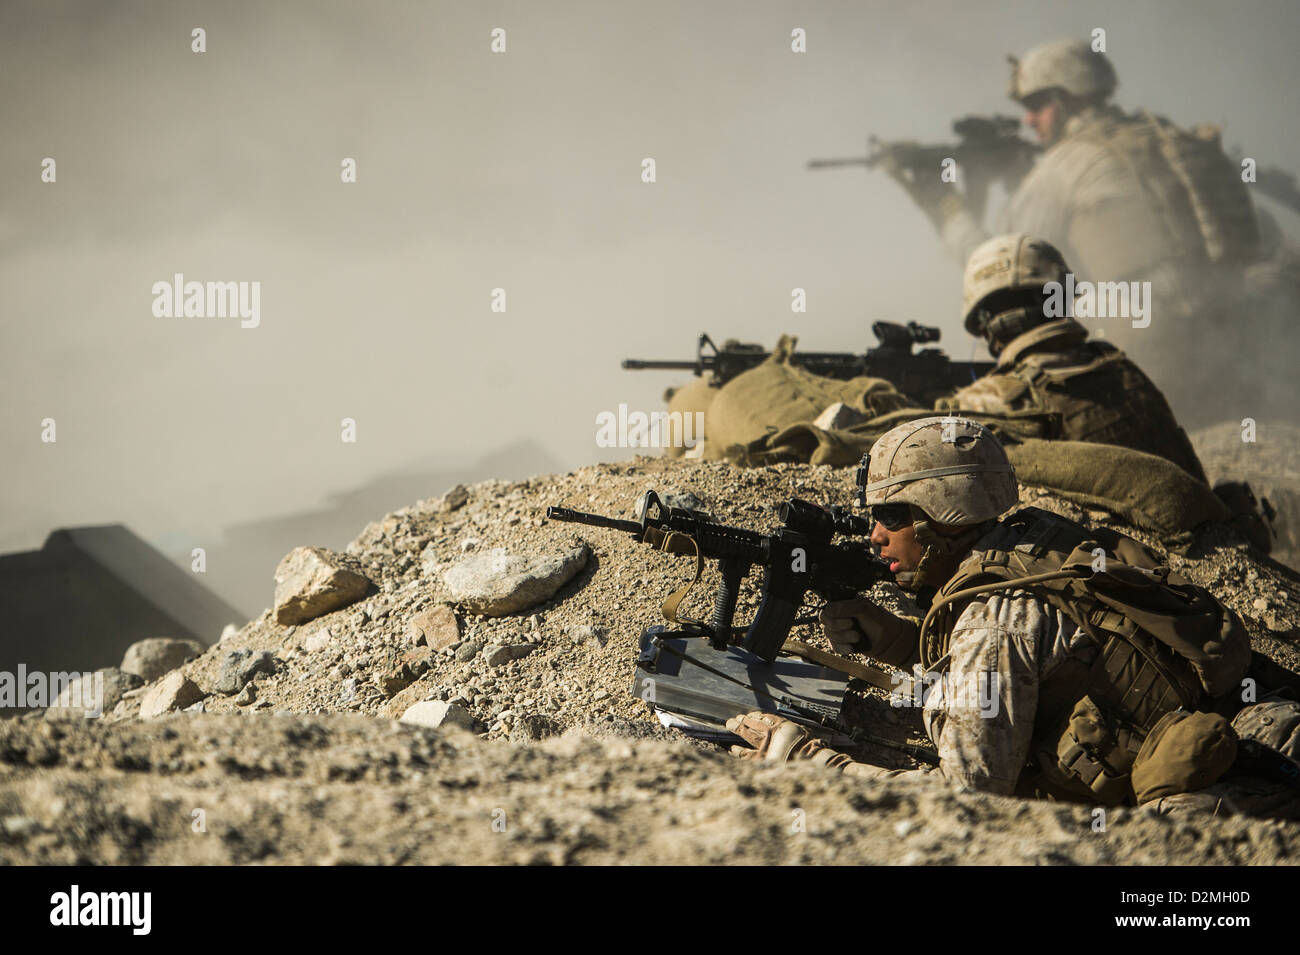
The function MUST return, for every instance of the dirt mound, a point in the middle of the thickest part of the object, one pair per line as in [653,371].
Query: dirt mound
[350,789]
[1270,462]
[285,775]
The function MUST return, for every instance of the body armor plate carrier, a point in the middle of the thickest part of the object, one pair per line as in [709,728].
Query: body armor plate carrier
[1156,644]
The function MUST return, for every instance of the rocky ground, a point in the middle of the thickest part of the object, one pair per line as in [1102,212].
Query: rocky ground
[281,743]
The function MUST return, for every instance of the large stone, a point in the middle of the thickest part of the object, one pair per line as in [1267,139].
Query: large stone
[496,583]
[150,659]
[437,627]
[72,700]
[240,666]
[311,581]
[435,713]
[175,691]
[467,650]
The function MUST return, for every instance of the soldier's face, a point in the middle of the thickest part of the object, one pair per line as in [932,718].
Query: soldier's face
[1044,117]
[900,547]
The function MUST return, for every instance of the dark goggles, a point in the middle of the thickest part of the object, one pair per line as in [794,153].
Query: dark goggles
[894,517]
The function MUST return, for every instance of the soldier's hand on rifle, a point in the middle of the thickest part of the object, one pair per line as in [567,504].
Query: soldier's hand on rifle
[939,200]
[847,624]
[865,627]
[780,740]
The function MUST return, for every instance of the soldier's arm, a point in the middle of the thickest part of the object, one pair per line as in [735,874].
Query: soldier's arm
[981,714]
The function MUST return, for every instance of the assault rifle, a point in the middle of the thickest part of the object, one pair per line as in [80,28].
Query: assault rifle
[988,149]
[923,376]
[714,682]
[797,557]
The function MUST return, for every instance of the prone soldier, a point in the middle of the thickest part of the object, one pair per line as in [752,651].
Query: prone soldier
[1061,662]
[1049,364]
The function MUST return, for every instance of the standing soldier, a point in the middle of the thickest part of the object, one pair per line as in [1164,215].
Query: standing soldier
[1126,198]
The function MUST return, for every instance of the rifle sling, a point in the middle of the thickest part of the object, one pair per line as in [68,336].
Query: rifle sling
[674,599]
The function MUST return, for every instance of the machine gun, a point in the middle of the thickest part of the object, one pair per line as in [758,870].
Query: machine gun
[923,376]
[988,149]
[720,680]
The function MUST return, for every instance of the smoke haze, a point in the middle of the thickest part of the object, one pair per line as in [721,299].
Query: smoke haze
[478,171]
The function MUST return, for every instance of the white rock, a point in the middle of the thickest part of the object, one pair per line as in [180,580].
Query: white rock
[150,659]
[175,691]
[838,416]
[434,713]
[318,641]
[496,583]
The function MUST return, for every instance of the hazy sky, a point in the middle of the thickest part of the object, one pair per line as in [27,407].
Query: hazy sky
[519,170]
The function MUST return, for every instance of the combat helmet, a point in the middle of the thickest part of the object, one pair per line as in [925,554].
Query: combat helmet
[1003,288]
[950,471]
[1069,65]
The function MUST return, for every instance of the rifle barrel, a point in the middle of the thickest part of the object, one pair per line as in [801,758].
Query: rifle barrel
[595,520]
[641,363]
[833,163]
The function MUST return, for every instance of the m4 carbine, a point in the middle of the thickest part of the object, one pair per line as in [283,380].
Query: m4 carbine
[923,376]
[988,149]
[797,557]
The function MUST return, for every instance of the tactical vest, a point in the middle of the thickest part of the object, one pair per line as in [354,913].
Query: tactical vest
[1156,644]
[1105,399]
[1100,395]
[1196,188]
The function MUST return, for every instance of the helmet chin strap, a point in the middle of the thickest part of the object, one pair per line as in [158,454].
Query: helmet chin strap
[1005,326]
[940,554]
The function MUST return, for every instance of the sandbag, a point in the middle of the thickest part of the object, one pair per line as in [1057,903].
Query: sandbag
[845,448]
[777,394]
[692,397]
[1145,490]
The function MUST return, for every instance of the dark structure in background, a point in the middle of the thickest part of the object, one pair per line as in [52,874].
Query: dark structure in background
[90,592]
[241,568]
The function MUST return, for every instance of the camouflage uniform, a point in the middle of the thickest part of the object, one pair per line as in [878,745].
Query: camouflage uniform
[1106,194]
[1101,396]
[986,746]
[1037,684]
[1019,639]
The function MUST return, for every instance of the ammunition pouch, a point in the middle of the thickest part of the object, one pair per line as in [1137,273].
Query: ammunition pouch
[1183,753]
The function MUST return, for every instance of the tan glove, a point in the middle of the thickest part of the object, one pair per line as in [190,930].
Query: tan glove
[863,626]
[779,740]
